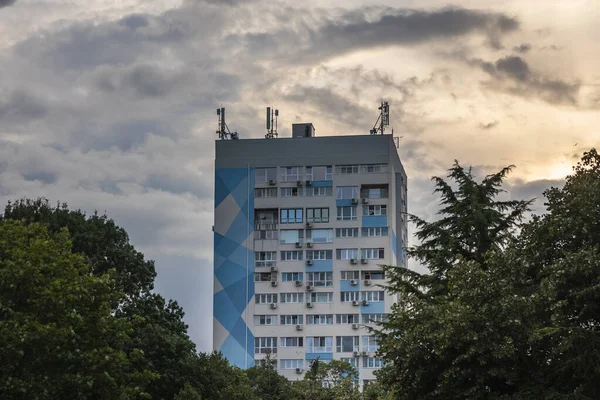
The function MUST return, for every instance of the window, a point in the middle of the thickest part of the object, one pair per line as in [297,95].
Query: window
[319,254]
[262,277]
[319,235]
[265,235]
[323,297]
[292,276]
[373,296]
[353,361]
[375,210]
[346,232]
[290,364]
[265,174]
[317,215]
[291,298]
[265,259]
[369,343]
[291,174]
[318,173]
[263,345]
[315,191]
[374,275]
[319,344]
[291,215]
[291,319]
[372,318]
[374,192]
[348,275]
[291,255]
[346,192]
[346,254]
[291,192]
[291,342]
[263,362]
[347,319]
[348,297]
[265,320]
[265,192]
[372,362]
[322,279]
[287,236]
[371,232]
[346,169]
[322,319]
[346,213]
[265,298]
[371,254]
[372,168]
[345,344]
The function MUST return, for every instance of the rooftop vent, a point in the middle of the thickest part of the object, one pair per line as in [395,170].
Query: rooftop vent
[303,130]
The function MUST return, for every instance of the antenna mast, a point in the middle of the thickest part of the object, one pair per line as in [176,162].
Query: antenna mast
[223,131]
[271,123]
[383,120]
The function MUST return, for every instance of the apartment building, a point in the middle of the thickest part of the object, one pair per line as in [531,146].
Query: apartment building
[302,225]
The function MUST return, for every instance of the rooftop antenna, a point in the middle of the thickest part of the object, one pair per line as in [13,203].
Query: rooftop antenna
[223,131]
[383,120]
[272,115]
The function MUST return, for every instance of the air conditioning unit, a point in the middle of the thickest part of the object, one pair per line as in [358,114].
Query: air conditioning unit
[367,282]
[364,354]
[353,261]
[309,305]
[273,283]
[298,283]
[299,370]
[272,182]
[274,269]
[353,282]
[273,306]
[298,245]
[308,244]
[354,326]
[309,288]
[299,327]
[356,354]
[309,262]
[308,225]
[354,201]
[365,303]
[309,183]
[364,261]
[299,183]
[365,201]
[355,303]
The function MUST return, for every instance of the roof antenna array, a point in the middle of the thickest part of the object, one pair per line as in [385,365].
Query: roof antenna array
[223,131]
[383,120]
[271,123]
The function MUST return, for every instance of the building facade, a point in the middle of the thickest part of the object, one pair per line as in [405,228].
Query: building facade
[302,225]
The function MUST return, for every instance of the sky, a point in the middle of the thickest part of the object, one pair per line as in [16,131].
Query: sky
[109,105]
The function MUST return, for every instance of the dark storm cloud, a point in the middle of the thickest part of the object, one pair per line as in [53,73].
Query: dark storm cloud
[489,125]
[46,177]
[358,30]
[135,21]
[512,74]
[522,48]
[6,3]
[21,106]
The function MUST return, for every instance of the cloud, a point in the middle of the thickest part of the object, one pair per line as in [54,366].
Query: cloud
[6,3]
[20,106]
[522,48]
[489,125]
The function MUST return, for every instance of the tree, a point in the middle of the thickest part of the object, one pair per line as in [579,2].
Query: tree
[217,379]
[267,383]
[449,336]
[326,381]
[58,337]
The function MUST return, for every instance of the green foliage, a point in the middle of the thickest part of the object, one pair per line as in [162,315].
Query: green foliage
[267,383]
[324,381]
[58,337]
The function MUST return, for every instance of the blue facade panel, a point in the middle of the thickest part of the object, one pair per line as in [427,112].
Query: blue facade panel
[320,266]
[345,286]
[373,308]
[374,221]
[320,356]
[234,262]
[344,203]
[322,183]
